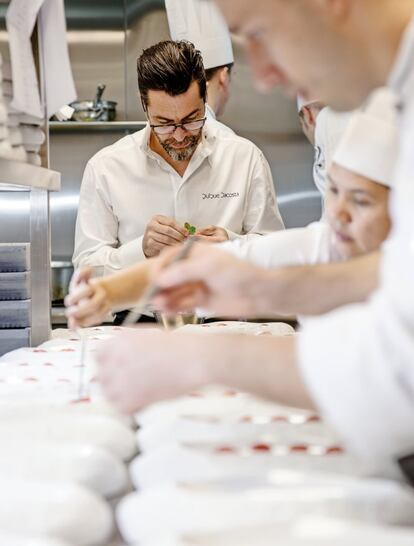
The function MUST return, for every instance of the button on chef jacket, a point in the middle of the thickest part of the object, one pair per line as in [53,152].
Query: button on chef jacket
[227,183]
[358,362]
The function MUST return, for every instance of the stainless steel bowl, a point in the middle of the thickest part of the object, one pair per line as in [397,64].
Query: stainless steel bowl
[89,110]
[61,275]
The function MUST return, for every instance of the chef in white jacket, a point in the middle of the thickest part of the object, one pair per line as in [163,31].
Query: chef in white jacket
[202,24]
[355,364]
[138,194]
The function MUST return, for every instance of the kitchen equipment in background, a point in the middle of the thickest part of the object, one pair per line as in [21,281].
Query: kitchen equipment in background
[61,275]
[95,110]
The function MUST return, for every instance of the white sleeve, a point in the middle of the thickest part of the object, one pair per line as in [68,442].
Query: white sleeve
[300,246]
[358,365]
[262,214]
[96,235]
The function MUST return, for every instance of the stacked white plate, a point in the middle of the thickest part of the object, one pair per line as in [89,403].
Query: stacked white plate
[63,456]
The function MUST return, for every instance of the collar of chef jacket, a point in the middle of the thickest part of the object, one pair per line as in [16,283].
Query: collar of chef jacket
[203,151]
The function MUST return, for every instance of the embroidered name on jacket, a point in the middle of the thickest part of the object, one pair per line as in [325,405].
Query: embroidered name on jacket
[221,195]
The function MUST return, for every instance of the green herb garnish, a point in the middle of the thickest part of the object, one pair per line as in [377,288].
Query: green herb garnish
[191,229]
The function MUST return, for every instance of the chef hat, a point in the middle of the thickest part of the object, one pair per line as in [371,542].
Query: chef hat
[371,141]
[200,22]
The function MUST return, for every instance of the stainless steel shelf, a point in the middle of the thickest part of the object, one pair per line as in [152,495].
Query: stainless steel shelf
[92,126]
[17,176]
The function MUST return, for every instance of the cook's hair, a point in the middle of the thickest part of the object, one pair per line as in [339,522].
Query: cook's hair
[171,67]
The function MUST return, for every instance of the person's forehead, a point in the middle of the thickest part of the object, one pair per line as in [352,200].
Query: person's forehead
[165,105]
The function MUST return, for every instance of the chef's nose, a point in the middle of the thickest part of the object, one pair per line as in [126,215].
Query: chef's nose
[340,214]
[179,134]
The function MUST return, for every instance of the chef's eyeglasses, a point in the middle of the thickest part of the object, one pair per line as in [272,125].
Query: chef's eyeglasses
[171,127]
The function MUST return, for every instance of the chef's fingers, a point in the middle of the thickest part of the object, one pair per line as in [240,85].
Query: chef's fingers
[164,239]
[81,275]
[208,230]
[168,231]
[193,269]
[83,291]
[164,220]
[182,298]
[88,308]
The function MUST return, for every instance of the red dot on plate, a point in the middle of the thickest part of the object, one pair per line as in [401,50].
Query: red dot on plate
[261,447]
[67,350]
[334,450]
[299,448]
[84,400]
[313,419]
[279,418]
[246,419]
[225,449]
[39,351]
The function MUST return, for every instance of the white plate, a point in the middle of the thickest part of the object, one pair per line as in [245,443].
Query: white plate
[205,430]
[87,465]
[305,532]
[240,328]
[100,431]
[173,463]
[187,510]
[12,539]
[213,402]
[59,510]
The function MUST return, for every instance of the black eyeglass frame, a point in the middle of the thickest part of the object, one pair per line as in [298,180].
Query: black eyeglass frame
[177,125]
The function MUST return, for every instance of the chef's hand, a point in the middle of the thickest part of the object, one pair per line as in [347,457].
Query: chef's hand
[212,234]
[213,280]
[87,303]
[168,365]
[160,233]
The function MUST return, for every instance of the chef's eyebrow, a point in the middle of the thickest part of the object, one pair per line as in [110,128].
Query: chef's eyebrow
[168,120]
[356,191]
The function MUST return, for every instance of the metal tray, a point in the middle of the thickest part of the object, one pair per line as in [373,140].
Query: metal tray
[15,286]
[14,257]
[15,314]
[10,340]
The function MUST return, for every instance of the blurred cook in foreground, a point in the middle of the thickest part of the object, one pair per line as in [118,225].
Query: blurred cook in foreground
[355,364]
[202,24]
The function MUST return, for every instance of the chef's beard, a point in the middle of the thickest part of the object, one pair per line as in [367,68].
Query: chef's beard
[183,154]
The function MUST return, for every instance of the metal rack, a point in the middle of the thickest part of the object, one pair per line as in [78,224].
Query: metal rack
[22,177]
[61,126]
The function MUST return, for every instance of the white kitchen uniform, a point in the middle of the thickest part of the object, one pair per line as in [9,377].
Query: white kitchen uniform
[300,246]
[329,129]
[358,362]
[211,116]
[228,183]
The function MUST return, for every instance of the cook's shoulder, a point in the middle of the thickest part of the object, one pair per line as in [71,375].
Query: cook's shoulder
[116,150]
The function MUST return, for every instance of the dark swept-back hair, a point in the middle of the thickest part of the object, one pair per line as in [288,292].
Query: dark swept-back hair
[171,67]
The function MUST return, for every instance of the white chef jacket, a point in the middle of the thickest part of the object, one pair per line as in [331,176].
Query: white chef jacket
[227,183]
[300,246]
[329,129]
[358,362]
